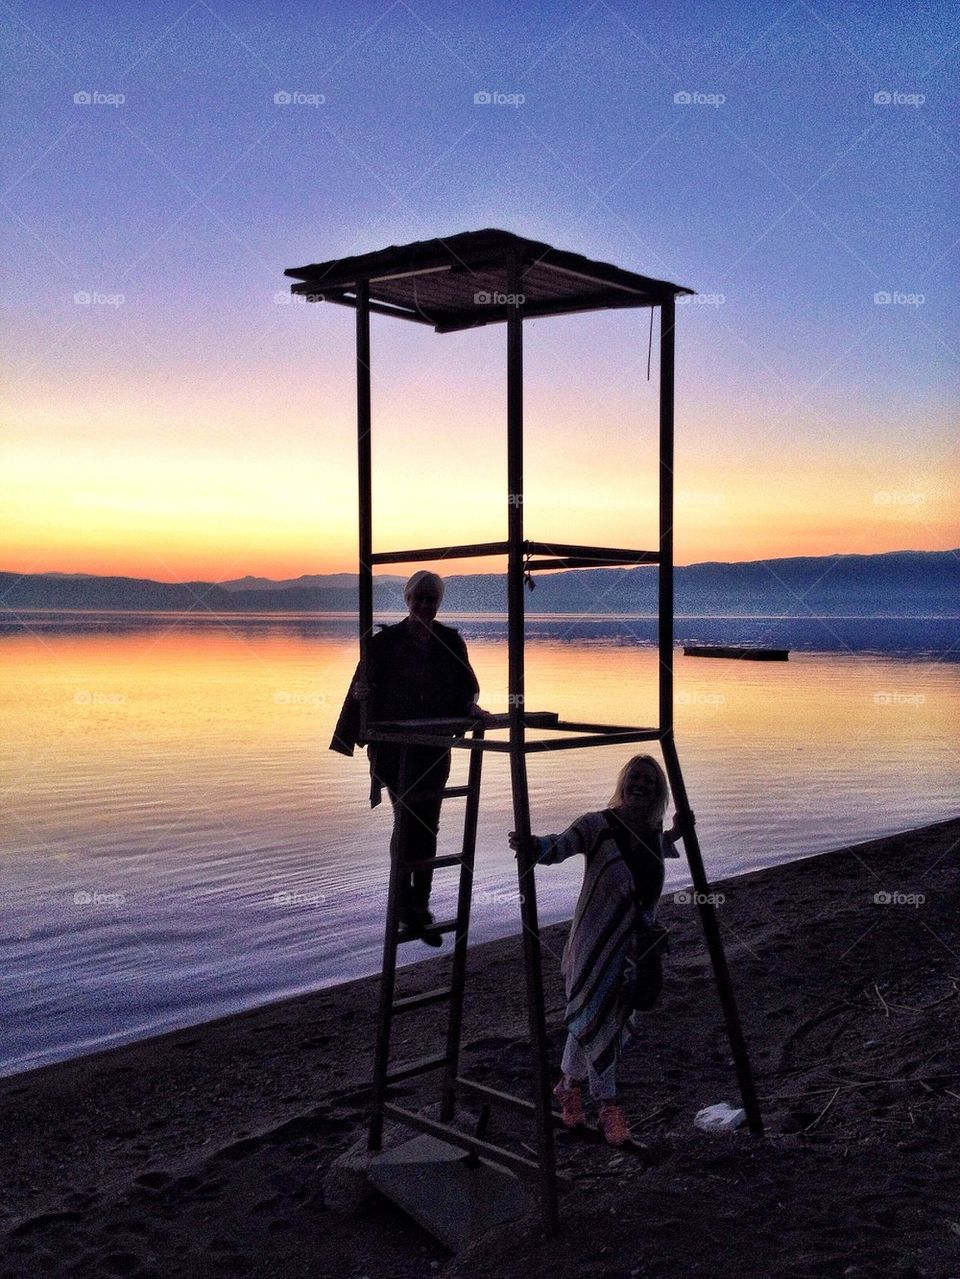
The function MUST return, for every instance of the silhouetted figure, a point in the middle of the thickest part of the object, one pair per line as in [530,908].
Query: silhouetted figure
[416,669]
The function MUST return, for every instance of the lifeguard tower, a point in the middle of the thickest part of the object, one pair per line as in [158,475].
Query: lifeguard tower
[461,282]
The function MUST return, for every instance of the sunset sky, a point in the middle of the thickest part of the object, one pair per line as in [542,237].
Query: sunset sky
[170,413]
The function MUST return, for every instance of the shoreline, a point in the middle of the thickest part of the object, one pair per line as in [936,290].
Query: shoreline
[280,1003]
[202,1150]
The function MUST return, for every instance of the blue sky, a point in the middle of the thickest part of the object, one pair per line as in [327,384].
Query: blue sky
[784,192]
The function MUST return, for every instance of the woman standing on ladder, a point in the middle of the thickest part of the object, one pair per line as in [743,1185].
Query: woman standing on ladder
[416,669]
[624,846]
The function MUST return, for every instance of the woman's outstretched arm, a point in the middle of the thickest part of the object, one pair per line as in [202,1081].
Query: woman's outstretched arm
[577,838]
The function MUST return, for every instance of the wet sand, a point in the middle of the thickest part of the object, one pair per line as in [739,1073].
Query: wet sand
[204,1151]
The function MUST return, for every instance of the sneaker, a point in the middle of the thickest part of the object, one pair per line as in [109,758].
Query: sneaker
[571,1104]
[613,1124]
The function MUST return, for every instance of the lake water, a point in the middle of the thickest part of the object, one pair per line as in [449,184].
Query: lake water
[179,843]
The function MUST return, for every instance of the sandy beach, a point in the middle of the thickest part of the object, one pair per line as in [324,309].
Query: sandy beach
[203,1151]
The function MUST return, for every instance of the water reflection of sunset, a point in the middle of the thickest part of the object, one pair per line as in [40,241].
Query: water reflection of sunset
[174,820]
[246,714]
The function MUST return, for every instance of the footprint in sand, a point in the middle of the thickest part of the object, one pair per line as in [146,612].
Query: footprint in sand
[240,1149]
[33,1225]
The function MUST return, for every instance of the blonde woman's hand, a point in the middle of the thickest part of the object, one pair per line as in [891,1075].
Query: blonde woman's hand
[676,830]
[518,844]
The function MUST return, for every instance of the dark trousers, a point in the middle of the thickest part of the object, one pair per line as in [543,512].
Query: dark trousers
[416,820]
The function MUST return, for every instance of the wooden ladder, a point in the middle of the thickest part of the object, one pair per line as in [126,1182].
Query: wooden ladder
[387,1073]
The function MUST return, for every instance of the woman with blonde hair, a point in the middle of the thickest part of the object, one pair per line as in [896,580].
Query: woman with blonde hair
[613,926]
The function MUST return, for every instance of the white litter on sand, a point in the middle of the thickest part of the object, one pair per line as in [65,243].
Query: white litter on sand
[720,1118]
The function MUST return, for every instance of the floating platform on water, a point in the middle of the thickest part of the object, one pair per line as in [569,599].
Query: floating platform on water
[749,654]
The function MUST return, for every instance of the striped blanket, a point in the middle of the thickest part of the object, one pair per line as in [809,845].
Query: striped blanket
[602,940]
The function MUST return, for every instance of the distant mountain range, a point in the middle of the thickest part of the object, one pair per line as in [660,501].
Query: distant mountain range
[896,584]
[307,581]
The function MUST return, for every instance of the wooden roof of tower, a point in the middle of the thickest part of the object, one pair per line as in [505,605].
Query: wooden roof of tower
[456,282]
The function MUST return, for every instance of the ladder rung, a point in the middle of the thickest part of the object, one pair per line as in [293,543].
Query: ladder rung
[419,1067]
[421,1001]
[456,792]
[503,1098]
[434,863]
[446,1132]
[494,1094]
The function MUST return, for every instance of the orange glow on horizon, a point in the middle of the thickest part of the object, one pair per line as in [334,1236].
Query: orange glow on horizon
[134,499]
[182,564]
